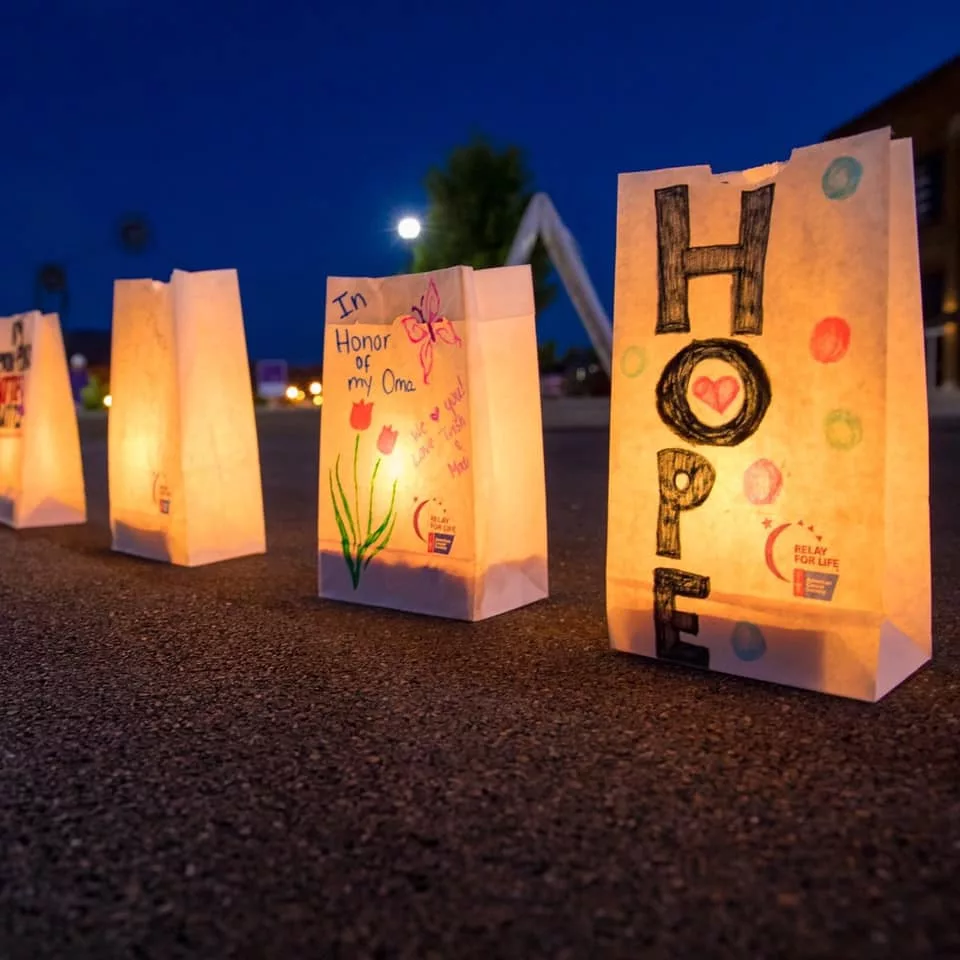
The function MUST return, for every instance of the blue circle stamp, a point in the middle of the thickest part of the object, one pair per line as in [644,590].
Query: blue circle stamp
[841,178]
[747,641]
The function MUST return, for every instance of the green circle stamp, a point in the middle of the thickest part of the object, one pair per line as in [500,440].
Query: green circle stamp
[633,362]
[841,178]
[843,429]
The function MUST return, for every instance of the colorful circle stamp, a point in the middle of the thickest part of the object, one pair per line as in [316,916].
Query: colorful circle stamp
[841,178]
[830,340]
[843,429]
[633,361]
[747,641]
[762,482]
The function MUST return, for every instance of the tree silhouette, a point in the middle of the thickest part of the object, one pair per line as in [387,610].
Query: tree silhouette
[547,356]
[51,281]
[134,233]
[475,208]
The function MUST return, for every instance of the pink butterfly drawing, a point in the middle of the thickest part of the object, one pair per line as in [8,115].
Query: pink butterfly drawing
[426,327]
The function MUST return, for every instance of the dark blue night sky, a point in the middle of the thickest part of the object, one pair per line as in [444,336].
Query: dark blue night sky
[285,138]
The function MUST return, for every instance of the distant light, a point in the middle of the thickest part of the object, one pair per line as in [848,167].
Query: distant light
[292,392]
[317,401]
[108,401]
[316,388]
[409,228]
[300,395]
[78,362]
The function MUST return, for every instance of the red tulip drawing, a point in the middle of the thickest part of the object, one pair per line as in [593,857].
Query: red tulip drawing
[360,415]
[360,548]
[386,441]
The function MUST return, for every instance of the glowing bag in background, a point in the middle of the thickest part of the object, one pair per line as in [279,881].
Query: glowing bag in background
[182,451]
[41,468]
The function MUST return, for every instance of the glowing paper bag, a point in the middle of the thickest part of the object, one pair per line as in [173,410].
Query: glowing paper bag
[41,470]
[182,451]
[769,511]
[432,492]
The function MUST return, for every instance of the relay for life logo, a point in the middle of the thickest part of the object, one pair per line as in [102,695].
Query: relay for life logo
[815,570]
[433,526]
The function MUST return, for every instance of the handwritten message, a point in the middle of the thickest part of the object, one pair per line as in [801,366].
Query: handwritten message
[357,300]
[363,348]
[427,329]
[450,421]
[457,423]
[422,442]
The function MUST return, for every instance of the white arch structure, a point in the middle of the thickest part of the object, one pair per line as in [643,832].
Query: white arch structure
[541,219]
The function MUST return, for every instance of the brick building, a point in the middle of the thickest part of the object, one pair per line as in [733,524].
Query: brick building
[928,111]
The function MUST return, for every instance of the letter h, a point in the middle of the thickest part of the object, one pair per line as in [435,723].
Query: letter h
[677,261]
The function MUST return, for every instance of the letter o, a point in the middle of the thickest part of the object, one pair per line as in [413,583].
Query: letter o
[674,408]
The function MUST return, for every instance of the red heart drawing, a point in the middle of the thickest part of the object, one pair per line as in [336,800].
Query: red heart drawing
[435,413]
[718,394]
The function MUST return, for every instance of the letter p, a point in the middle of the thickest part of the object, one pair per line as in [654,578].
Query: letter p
[686,479]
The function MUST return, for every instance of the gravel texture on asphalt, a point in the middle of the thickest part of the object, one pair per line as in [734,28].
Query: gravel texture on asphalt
[214,763]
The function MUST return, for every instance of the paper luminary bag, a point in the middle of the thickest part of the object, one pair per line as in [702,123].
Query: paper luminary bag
[41,470]
[183,458]
[432,491]
[768,511]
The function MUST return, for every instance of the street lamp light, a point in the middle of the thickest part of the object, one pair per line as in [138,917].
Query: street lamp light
[409,228]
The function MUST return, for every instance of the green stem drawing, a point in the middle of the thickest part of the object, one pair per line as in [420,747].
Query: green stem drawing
[360,549]
[356,486]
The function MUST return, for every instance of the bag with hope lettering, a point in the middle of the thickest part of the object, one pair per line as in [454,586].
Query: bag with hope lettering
[432,491]
[768,511]
[41,470]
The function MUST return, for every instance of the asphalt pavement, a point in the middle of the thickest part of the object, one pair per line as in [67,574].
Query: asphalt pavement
[213,763]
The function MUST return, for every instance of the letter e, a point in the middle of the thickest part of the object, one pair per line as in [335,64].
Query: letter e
[669,623]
